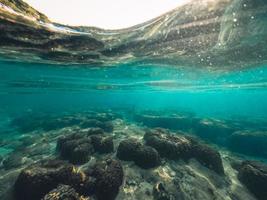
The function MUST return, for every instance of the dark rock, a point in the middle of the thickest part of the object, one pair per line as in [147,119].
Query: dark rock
[81,153]
[213,130]
[143,156]
[37,180]
[252,143]
[107,116]
[160,193]
[179,147]
[93,123]
[127,149]
[62,192]
[88,186]
[61,140]
[254,176]
[109,176]
[102,144]
[169,146]
[147,157]
[13,160]
[207,156]
[75,148]
[176,122]
[95,131]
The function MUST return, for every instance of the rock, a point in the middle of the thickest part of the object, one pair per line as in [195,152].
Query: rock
[37,180]
[95,131]
[106,126]
[249,142]
[78,147]
[108,176]
[147,157]
[143,156]
[61,140]
[216,131]
[207,156]
[75,148]
[254,176]
[175,122]
[169,146]
[81,153]
[160,193]
[62,192]
[102,144]
[176,147]
[127,149]
[13,160]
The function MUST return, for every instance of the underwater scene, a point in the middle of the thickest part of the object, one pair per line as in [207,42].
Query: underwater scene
[172,109]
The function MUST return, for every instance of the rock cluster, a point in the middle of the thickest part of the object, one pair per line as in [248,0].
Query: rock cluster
[254,176]
[160,143]
[78,147]
[179,147]
[143,156]
[59,180]
[63,192]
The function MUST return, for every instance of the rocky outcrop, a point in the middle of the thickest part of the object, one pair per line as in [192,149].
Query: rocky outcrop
[254,176]
[59,180]
[179,147]
[252,143]
[63,192]
[168,145]
[108,176]
[37,180]
[144,156]
[78,147]
[102,144]
[106,126]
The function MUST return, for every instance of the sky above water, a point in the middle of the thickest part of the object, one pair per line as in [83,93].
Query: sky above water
[107,14]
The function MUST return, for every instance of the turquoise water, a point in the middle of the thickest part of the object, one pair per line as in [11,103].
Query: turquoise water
[205,93]
[171,109]
[237,96]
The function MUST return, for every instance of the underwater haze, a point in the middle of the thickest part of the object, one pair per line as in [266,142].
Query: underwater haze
[171,109]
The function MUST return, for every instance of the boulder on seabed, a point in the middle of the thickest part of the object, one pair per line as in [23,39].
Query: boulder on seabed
[63,192]
[252,143]
[144,156]
[216,131]
[107,126]
[108,175]
[75,148]
[78,147]
[254,176]
[127,149]
[37,180]
[175,122]
[102,144]
[177,147]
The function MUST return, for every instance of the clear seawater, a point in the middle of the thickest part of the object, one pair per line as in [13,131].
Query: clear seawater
[31,95]
[28,89]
